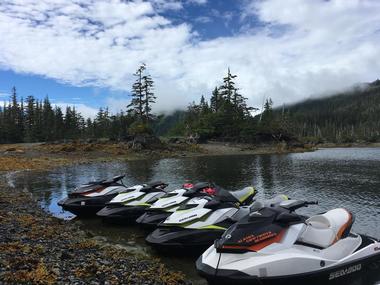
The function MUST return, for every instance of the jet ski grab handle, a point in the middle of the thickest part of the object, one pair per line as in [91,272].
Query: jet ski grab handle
[298,204]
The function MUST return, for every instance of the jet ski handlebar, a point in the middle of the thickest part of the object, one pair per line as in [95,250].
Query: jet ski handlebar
[294,205]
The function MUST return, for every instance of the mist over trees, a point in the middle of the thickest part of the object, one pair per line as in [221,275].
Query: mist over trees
[346,117]
[225,116]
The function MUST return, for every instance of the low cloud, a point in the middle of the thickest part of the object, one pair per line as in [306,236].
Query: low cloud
[84,110]
[301,47]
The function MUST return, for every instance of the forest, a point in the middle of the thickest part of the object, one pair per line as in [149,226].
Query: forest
[350,116]
[33,120]
[225,116]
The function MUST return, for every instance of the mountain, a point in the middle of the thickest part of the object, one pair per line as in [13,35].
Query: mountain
[165,124]
[344,117]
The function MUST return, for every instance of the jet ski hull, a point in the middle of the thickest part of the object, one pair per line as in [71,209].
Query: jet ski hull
[152,219]
[360,269]
[120,214]
[85,206]
[169,238]
[222,276]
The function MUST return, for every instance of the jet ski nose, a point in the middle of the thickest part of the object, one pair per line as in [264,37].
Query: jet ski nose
[152,219]
[109,211]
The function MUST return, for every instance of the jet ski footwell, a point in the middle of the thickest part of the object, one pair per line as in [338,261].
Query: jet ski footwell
[120,215]
[164,239]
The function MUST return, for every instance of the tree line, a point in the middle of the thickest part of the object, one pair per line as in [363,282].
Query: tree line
[346,117]
[33,120]
[227,116]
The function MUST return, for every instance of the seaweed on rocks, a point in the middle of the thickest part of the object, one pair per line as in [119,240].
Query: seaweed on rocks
[36,248]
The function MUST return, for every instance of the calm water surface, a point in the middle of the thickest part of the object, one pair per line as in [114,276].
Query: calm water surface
[339,177]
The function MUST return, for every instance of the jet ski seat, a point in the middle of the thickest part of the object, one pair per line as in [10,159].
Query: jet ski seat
[243,195]
[257,205]
[325,229]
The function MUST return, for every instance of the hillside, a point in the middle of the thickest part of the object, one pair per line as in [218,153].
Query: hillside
[345,117]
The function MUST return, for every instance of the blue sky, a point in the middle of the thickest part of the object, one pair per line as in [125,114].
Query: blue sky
[58,93]
[84,52]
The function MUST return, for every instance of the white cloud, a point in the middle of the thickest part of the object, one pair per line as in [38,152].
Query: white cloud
[199,2]
[4,94]
[163,5]
[306,47]
[84,110]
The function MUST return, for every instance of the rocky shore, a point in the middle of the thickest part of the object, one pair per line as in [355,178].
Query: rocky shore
[42,156]
[36,248]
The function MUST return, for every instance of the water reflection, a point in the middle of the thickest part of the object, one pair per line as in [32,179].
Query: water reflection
[347,178]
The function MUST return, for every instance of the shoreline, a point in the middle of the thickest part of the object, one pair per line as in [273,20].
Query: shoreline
[347,145]
[38,248]
[40,156]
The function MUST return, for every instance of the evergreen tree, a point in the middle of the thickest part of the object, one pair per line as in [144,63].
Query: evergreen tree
[30,119]
[267,115]
[149,97]
[216,100]
[228,89]
[137,103]
[14,120]
[59,125]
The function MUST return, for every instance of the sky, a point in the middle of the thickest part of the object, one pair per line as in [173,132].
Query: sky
[84,52]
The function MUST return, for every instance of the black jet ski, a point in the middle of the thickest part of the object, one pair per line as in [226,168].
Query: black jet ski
[169,203]
[127,207]
[89,198]
[278,246]
[196,224]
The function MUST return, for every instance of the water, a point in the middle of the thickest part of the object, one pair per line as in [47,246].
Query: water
[338,177]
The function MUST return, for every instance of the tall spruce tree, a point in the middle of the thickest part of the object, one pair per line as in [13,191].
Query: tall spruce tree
[137,103]
[149,97]
[216,100]
[30,119]
[228,88]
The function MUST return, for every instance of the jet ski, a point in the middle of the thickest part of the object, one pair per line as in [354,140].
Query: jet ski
[171,201]
[89,198]
[278,246]
[196,224]
[127,207]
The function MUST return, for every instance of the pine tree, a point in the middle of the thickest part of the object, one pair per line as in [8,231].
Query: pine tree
[47,120]
[15,124]
[216,100]
[149,97]
[58,124]
[228,88]
[137,104]
[29,119]
[267,115]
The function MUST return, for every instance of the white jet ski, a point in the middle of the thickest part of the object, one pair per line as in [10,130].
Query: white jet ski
[277,246]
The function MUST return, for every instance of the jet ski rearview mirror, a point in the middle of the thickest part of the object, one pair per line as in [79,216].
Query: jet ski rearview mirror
[117,178]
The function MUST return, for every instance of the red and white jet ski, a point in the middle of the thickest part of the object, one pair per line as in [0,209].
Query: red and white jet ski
[275,245]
